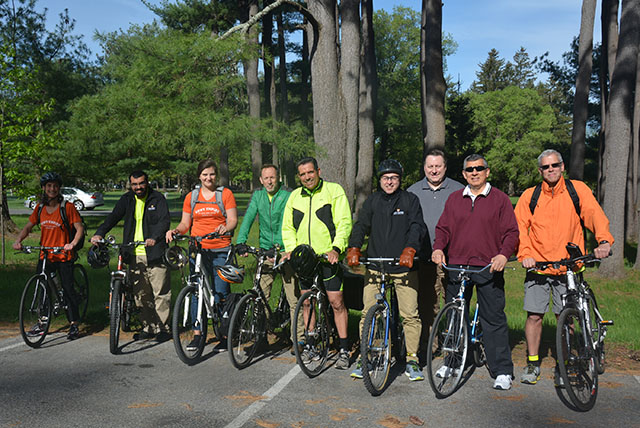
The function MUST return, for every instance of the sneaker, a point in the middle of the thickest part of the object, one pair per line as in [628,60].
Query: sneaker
[413,371]
[531,374]
[357,372]
[163,336]
[194,345]
[503,382]
[74,333]
[558,381]
[343,360]
[300,346]
[36,330]
[447,371]
[143,335]
[309,354]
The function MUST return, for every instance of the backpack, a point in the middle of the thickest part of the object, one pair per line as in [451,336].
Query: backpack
[227,311]
[218,201]
[65,221]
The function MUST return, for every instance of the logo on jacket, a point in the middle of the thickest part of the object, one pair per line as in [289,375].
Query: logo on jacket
[152,207]
[398,211]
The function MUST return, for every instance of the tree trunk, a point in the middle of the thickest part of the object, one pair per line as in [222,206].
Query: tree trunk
[581,99]
[282,68]
[432,78]
[253,94]
[618,132]
[635,133]
[367,107]
[223,179]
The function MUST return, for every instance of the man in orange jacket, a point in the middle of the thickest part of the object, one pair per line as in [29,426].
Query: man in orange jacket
[545,229]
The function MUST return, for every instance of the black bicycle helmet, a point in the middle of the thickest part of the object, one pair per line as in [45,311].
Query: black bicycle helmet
[231,273]
[304,261]
[175,257]
[50,176]
[98,256]
[390,165]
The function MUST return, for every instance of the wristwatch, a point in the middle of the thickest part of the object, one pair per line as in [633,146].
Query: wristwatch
[604,241]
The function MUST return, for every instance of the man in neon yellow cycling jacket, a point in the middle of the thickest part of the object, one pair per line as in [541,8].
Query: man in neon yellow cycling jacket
[318,214]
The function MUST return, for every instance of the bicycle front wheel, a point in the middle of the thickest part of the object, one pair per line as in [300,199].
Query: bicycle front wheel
[246,329]
[576,359]
[183,326]
[447,350]
[35,311]
[81,286]
[375,350]
[597,332]
[115,315]
[313,354]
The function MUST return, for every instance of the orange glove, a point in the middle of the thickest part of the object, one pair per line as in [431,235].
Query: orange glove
[406,258]
[353,256]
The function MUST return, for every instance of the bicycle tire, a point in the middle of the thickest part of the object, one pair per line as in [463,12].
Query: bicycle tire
[375,350]
[182,326]
[479,353]
[597,332]
[317,339]
[35,308]
[246,328]
[576,360]
[115,315]
[450,333]
[81,286]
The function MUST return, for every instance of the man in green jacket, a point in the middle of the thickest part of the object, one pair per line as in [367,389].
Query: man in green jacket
[318,214]
[268,204]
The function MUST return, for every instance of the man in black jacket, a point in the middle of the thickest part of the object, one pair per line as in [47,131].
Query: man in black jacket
[146,218]
[392,218]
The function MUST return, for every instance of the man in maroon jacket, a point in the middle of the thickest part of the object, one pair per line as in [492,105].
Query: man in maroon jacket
[478,227]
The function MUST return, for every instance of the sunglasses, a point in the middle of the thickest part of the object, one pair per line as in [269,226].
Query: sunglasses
[475,168]
[551,165]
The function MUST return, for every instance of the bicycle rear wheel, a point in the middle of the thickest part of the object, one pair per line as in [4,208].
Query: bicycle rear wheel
[115,315]
[375,350]
[183,324]
[576,359]
[81,286]
[35,311]
[313,356]
[246,328]
[450,333]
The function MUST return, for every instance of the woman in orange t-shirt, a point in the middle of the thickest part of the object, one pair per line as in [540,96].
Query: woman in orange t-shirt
[208,218]
[54,234]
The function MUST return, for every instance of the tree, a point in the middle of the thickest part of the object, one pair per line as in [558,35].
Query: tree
[492,75]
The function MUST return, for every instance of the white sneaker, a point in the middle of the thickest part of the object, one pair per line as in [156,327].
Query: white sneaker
[447,371]
[503,382]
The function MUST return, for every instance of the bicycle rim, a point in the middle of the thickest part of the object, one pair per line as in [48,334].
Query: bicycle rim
[115,315]
[576,360]
[450,336]
[312,356]
[81,286]
[375,350]
[183,324]
[597,333]
[35,312]
[245,330]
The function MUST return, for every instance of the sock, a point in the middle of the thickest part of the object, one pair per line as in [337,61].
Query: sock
[534,359]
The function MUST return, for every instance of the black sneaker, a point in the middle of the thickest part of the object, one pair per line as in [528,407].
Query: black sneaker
[163,336]
[194,345]
[74,333]
[143,335]
[36,330]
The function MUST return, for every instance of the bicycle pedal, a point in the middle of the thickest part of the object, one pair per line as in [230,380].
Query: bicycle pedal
[606,322]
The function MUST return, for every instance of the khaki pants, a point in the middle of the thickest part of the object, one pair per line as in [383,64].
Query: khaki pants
[407,290]
[291,291]
[152,288]
[430,294]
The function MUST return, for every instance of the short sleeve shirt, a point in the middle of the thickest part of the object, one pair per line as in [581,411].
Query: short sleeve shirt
[207,217]
[53,233]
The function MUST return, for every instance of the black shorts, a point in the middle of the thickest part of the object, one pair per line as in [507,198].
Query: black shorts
[331,276]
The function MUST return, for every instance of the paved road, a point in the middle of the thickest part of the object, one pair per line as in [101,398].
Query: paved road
[80,384]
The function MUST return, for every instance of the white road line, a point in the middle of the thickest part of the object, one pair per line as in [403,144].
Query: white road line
[15,345]
[250,411]
[637,378]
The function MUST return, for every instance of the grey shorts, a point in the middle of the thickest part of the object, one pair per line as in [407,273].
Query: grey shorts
[537,289]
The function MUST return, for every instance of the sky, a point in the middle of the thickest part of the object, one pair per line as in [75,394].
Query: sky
[477,26]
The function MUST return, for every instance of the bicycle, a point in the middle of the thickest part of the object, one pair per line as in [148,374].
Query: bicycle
[450,339]
[382,331]
[319,328]
[44,297]
[580,332]
[196,286]
[253,317]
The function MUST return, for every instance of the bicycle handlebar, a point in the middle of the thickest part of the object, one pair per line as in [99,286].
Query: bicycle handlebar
[570,262]
[28,249]
[211,235]
[465,270]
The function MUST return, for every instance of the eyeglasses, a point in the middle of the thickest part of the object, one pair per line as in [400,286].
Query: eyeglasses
[551,165]
[475,168]
[390,178]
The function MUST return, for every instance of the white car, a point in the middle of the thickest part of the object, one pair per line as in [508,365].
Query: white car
[79,198]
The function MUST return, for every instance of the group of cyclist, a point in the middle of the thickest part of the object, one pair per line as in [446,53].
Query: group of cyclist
[434,221]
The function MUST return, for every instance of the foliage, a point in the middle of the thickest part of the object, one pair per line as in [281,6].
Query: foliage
[496,73]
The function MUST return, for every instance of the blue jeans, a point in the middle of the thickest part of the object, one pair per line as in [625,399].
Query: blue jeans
[211,259]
